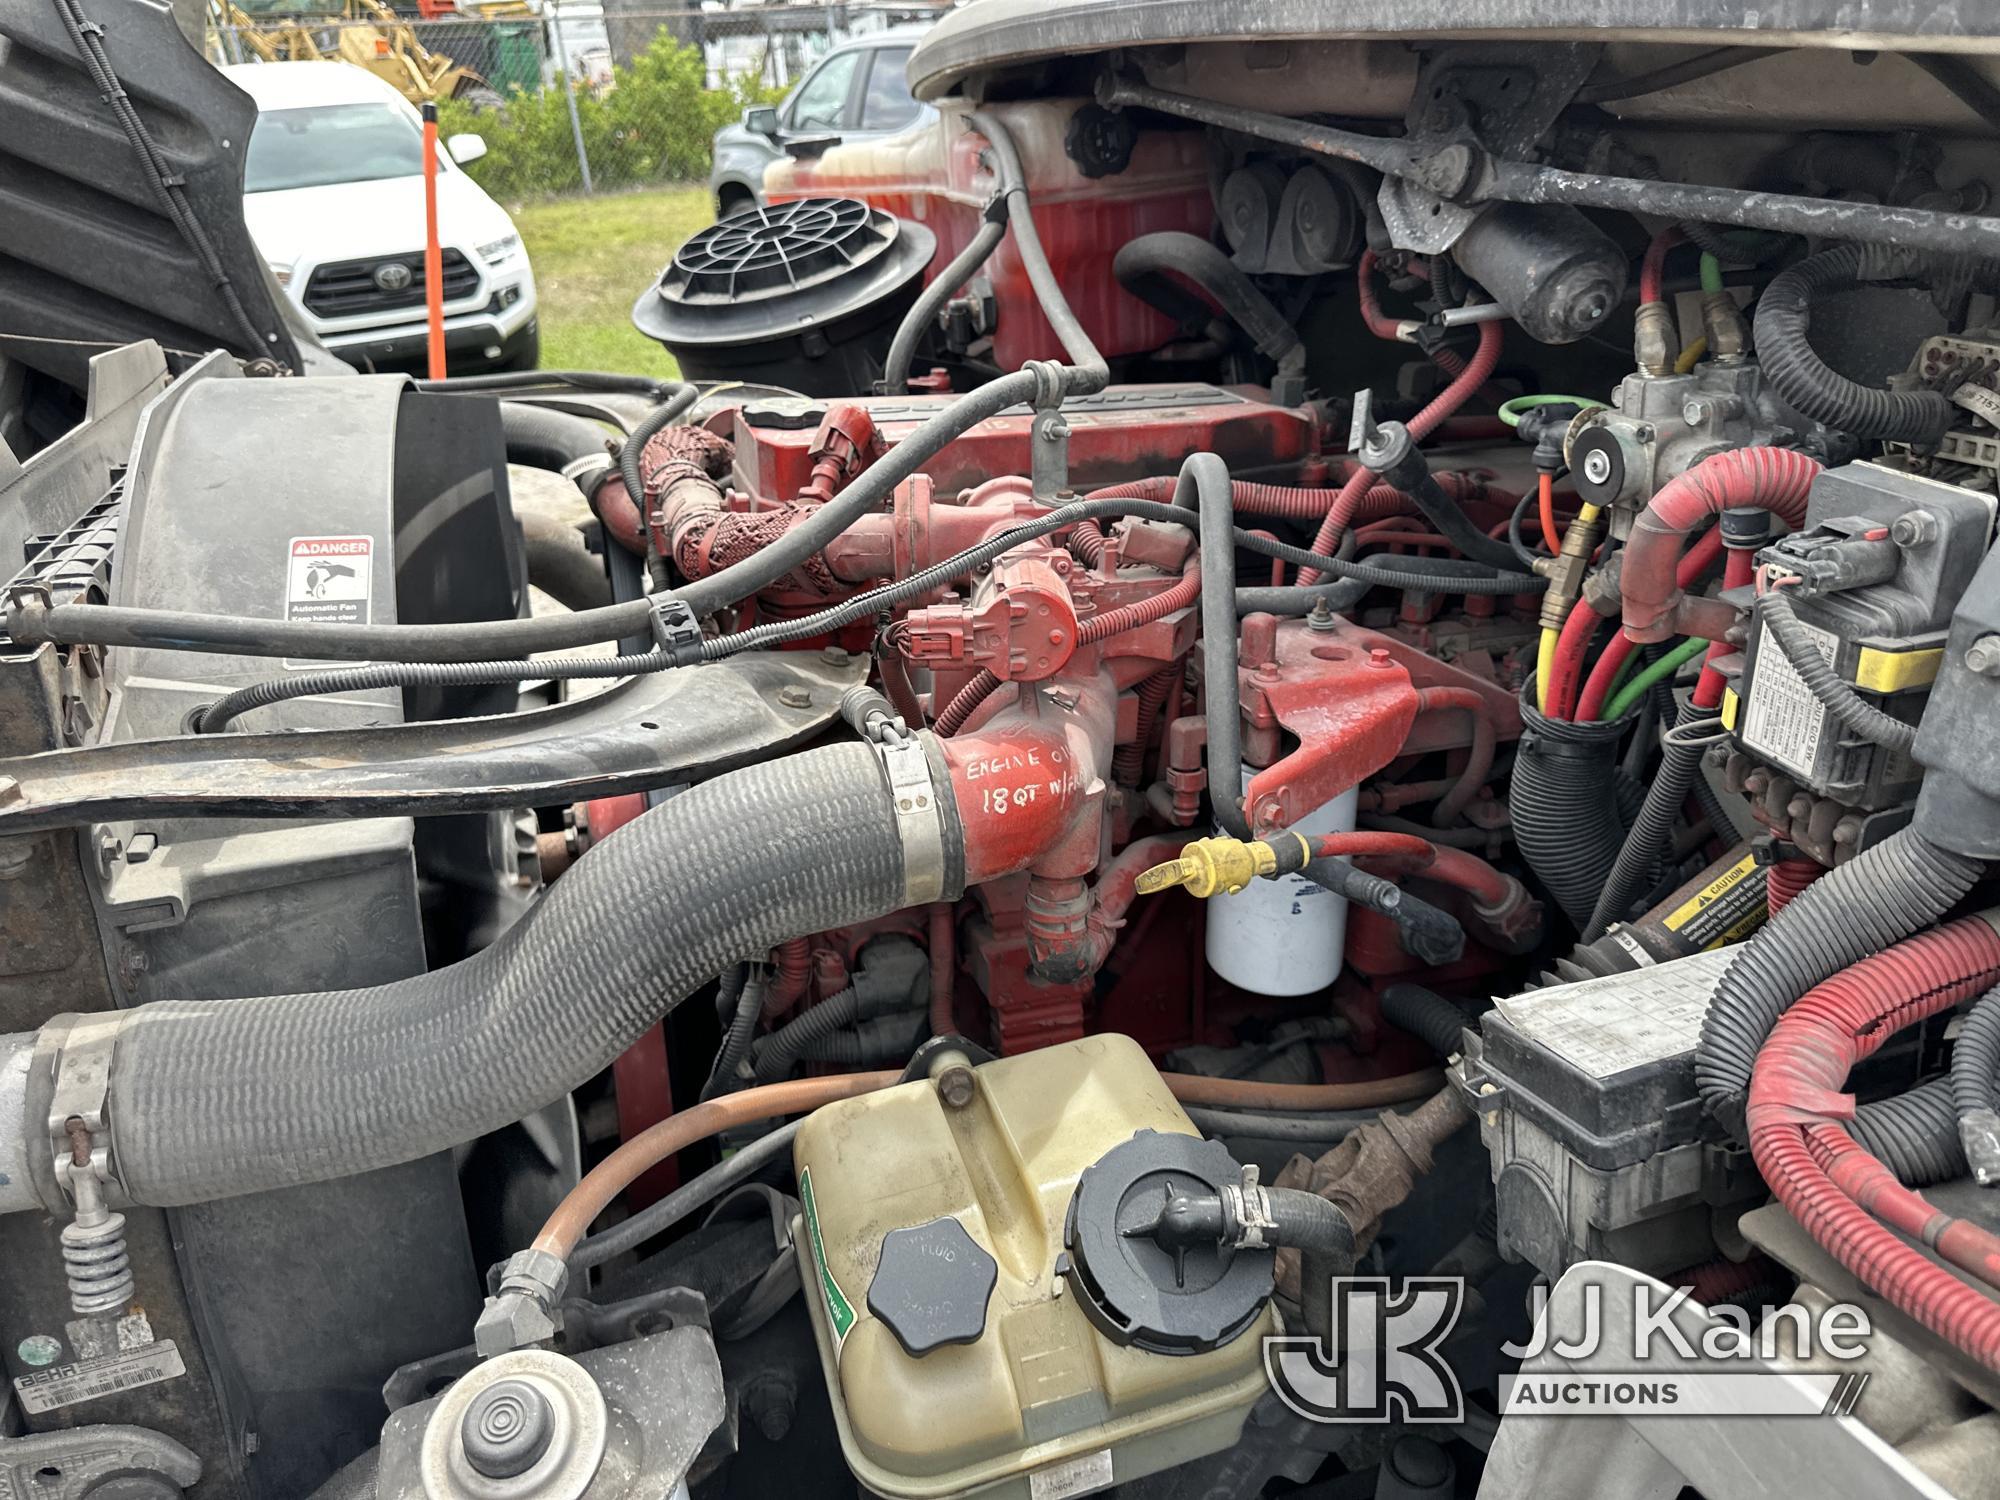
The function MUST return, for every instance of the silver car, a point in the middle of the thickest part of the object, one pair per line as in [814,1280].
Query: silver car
[858,89]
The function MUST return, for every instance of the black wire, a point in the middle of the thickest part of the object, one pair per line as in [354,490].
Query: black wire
[1521,549]
[88,37]
[861,606]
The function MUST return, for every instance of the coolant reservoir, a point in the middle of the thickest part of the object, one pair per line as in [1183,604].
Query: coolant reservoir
[958,1356]
[1286,936]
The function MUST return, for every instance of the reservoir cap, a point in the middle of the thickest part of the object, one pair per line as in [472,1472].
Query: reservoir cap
[1184,1300]
[931,1286]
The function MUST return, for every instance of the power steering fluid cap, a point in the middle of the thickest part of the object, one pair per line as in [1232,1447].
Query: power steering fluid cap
[1138,1292]
[931,1286]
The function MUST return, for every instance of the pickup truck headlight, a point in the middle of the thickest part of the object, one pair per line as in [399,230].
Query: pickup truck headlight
[500,250]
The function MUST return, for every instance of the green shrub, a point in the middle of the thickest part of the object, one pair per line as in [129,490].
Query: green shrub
[654,122]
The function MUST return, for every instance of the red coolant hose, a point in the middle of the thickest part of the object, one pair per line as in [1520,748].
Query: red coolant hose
[1696,561]
[1440,862]
[1842,1195]
[1478,370]
[1773,479]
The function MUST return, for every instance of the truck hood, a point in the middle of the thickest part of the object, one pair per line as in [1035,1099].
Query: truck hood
[92,255]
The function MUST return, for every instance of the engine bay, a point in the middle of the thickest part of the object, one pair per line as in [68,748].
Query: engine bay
[1119,781]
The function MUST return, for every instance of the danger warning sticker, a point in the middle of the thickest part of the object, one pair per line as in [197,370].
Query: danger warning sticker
[328,579]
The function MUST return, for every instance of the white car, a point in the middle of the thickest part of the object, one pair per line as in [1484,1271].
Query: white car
[334,194]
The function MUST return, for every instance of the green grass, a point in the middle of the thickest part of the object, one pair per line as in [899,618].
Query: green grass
[592,259]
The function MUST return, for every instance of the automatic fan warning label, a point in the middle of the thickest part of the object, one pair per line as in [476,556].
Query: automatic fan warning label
[328,579]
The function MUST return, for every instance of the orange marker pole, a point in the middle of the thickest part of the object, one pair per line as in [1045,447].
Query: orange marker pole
[433,252]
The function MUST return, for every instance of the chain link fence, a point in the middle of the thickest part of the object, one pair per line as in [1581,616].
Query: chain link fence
[579,95]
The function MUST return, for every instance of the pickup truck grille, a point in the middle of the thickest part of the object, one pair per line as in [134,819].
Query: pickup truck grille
[347,288]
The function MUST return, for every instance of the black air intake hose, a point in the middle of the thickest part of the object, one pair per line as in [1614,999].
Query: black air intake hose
[209,1100]
[1139,266]
[1800,376]
[1563,796]
[1427,1016]
[545,439]
[1914,1135]
[1881,896]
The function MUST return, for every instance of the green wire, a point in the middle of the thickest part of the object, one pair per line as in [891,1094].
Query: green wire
[1711,273]
[1510,411]
[1666,666]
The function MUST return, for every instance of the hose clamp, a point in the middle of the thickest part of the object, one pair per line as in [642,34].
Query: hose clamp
[1248,1207]
[82,1087]
[919,819]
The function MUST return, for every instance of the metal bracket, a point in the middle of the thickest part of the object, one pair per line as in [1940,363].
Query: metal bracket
[919,819]
[648,731]
[98,1460]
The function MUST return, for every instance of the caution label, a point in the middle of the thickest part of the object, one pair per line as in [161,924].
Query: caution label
[328,579]
[1731,906]
[68,1385]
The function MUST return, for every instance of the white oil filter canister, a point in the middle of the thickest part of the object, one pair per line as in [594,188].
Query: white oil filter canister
[1285,936]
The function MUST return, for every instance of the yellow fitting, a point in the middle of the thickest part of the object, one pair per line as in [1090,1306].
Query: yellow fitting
[1210,865]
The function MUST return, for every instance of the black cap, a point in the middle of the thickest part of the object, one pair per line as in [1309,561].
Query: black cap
[1186,1299]
[507,1428]
[931,1286]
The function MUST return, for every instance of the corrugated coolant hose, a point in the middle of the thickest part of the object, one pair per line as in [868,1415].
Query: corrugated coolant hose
[1846,1199]
[1882,895]
[1824,683]
[1426,1015]
[215,1099]
[1914,1134]
[1975,1087]
[1799,375]
[1566,814]
[1638,863]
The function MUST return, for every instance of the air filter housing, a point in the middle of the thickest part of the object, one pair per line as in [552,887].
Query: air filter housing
[805,294]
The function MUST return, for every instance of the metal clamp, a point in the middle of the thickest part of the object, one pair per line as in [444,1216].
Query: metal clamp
[676,631]
[1248,1206]
[919,819]
[82,1084]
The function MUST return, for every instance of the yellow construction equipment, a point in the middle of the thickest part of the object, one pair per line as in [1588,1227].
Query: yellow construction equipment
[368,34]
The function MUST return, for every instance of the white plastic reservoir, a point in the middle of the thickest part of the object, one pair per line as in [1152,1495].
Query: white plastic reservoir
[1283,936]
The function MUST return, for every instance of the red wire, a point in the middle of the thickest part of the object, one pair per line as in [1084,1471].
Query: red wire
[1545,500]
[1696,561]
[1478,370]
[1566,672]
[1653,267]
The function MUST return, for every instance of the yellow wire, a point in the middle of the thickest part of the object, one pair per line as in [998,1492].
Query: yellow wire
[1545,651]
[1691,356]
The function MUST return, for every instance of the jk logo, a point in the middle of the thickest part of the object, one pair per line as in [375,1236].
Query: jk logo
[1384,1364]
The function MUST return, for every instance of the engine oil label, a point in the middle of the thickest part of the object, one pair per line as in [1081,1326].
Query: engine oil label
[328,579]
[839,1311]
[1781,718]
[67,1385]
[1731,906]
